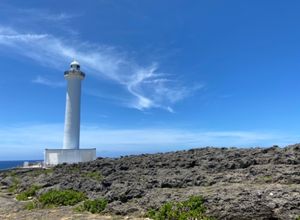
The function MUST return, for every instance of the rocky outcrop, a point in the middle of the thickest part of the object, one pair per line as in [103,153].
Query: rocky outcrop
[255,183]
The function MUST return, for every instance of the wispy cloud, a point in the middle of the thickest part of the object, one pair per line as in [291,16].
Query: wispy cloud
[148,86]
[39,18]
[39,14]
[44,81]
[29,141]
[45,15]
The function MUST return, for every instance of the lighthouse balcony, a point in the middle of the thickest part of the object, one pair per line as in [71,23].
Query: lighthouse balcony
[71,73]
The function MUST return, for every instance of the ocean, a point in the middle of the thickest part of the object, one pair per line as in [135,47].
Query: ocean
[14,163]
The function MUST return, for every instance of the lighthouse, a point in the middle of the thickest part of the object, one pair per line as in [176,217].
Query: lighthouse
[70,152]
[74,76]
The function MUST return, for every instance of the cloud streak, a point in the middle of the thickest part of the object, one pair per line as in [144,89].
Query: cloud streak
[38,18]
[148,87]
[28,141]
[43,81]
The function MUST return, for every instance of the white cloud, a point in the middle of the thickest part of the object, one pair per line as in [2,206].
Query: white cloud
[39,18]
[43,81]
[28,141]
[31,14]
[149,87]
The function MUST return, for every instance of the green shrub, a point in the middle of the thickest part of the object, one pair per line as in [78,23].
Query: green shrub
[38,172]
[15,184]
[74,169]
[265,179]
[12,173]
[95,175]
[191,209]
[28,193]
[30,205]
[61,198]
[93,206]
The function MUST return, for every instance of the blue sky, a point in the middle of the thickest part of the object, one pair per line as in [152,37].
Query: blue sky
[161,75]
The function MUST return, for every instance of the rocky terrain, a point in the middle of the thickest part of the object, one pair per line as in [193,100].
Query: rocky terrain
[255,183]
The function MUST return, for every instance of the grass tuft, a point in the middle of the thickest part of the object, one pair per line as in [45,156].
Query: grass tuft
[61,198]
[31,205]
[191,209]
[93,206]
[94,175]
[15,185]
[23,196]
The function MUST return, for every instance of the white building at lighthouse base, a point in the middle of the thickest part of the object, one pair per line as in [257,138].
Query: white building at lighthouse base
[53,157]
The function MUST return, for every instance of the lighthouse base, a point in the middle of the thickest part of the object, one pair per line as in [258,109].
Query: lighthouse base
[58,156]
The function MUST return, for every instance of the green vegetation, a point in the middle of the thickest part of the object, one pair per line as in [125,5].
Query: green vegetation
[31,205]
[94,175]
[53,198]
[93,206]
[28,193]
[71,168]
[266,179]
[12,173]
[191,209]
[77,170]
[15,184]
[61,198]
[74,169]
[38,172]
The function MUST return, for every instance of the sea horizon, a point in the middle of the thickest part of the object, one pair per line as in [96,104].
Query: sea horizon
[9,164]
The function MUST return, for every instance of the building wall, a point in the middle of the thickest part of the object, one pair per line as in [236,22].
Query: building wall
[59,156]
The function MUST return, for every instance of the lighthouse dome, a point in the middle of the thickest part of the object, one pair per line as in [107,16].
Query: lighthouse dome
[75,65]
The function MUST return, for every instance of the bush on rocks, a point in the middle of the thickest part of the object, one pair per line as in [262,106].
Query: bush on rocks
[25,195]
[191,209]
[31,205]
[94,175]
[13,188]
[61,198]
[93,206]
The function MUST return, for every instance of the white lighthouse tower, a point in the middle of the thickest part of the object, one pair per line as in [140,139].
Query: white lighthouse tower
[71,152]
[74,76]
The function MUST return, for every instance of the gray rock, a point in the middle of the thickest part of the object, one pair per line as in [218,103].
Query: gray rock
[253,183]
